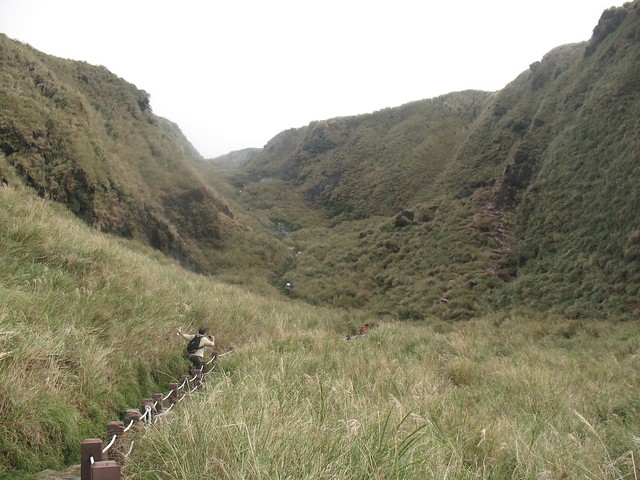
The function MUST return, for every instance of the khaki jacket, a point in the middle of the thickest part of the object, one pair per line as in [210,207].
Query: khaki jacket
[204,342]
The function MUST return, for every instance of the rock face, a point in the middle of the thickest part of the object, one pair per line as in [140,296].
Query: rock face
[609,22]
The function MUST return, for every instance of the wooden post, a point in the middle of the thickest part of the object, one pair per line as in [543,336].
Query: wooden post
[91,447]
[107,470]
[132,414]
[115,428]
[174,393]
[157,399]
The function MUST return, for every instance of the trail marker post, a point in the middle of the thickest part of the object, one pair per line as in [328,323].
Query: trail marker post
[89,448]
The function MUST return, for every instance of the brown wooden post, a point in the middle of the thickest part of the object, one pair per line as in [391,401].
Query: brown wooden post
[174,393]
[157,399]
[107,470]
[91,447]
[114,428]
[132,414]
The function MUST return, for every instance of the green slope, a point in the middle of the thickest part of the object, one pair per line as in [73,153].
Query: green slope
[526,196]
[87,328]
[452,206]
[79,135]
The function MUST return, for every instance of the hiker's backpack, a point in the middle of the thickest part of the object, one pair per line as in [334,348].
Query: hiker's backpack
[194,344]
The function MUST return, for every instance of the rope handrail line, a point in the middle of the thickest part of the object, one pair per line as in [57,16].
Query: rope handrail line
[113,440]
[207,373]
[150,416]
[147,411]
[146,417]
[167,410]
[129,426]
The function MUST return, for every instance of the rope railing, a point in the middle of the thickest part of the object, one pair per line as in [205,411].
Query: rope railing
[129,426]
[147,414]
[92,465]
[159,415]
[113,440]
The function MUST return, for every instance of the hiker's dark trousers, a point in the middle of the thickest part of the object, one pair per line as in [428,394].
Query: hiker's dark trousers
[197,361]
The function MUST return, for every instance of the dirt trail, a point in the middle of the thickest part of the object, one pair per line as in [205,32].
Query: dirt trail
[71,473]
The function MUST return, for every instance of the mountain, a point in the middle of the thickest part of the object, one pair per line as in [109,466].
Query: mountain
[472,201]
[79,135]
[452,206]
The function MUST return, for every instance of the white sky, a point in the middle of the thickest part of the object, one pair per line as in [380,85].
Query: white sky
[234,73]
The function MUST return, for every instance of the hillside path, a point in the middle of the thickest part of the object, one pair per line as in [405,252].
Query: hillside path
[71,473]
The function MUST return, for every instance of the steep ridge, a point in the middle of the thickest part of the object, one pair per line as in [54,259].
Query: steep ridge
[375,164]
[451,206]
[472,200]
[79,135]
[578,222]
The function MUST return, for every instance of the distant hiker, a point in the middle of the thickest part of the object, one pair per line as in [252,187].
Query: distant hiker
[195,347]
[288,287]
[364,329]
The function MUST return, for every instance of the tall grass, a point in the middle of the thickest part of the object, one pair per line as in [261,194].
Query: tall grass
[87,329]
[499,397]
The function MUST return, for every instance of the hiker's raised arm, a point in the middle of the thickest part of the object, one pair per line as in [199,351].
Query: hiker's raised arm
[180,333]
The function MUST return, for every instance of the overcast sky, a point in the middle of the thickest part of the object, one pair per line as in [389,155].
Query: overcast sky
[232,74]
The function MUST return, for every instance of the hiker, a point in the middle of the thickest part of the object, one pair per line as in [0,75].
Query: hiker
[288,287]
[364,329]
[195,348]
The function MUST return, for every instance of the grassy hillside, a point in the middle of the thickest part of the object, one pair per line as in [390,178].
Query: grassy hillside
[500,397]
[87,328]
[361,203]
[80,135]
[86,331]
[471,201]
[516,211]
[577,224]
[453,206]
[375,164]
